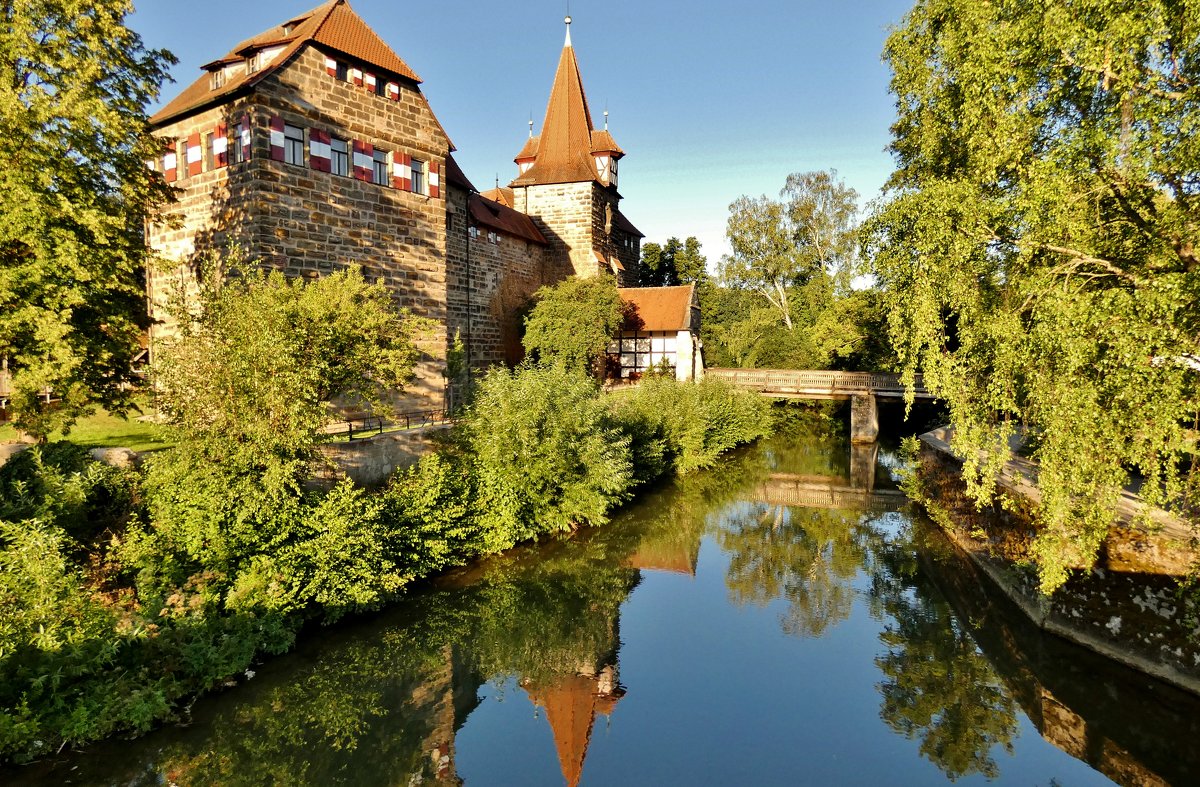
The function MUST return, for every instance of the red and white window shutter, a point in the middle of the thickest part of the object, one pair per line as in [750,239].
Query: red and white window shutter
[244,137]
[401,171]
[393,91]
[435,179]
[277,138]
[364,160]
[331,66]
[369,81]
[195,155]
[170,166]
[220,145]
[356,76]
[319,150]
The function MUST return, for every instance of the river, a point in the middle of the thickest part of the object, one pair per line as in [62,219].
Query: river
[784,618]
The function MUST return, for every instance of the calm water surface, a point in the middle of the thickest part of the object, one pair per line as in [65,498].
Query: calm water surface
[782,619]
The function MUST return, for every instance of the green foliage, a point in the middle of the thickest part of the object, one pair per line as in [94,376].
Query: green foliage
[430,510]
[74,192]
[57,483]
[778,244]
[686,426]
[672,264]
[547,455]
[258,356]
[573,321]
[833,329]
[1037,247]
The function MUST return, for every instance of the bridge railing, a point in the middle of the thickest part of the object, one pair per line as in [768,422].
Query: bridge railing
[809,381]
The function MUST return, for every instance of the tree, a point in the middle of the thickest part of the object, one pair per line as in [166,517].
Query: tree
[74,191]
[672,264]
[778,244]
[573,321]
[258,357]
[1037,246]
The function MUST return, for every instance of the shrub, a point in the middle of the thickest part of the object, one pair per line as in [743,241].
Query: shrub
[687,425]
[547,454]
[61,486]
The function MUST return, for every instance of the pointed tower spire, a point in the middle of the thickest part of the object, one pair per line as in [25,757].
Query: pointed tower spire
[564,150]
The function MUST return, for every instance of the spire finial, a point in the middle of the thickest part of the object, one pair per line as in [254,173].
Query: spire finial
[568,21]
[531,124]
[497,181]
[606,115]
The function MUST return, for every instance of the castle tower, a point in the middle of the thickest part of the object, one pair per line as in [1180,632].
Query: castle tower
[567,183]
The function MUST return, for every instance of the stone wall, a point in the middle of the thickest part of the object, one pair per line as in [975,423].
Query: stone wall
[1130,613]
[504,275]
[306,222]
[575,220]
[369,462]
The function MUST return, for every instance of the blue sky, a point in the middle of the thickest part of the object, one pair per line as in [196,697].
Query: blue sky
[710,100]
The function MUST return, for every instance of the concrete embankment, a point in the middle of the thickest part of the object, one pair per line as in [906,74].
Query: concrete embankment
[1128,607]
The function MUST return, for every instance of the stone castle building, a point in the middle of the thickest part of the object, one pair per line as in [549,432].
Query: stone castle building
[311,147]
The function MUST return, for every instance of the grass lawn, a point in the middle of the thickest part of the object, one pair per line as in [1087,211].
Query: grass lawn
[104,430]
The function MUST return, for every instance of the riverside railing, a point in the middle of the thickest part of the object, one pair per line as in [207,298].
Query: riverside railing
[371,425]
[818,383]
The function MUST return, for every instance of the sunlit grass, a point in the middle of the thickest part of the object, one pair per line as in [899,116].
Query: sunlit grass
[105,430]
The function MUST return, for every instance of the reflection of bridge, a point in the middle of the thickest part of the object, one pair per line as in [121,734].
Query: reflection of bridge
[861,388]
[814,491]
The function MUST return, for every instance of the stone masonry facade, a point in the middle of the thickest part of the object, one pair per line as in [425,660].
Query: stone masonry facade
[253,148]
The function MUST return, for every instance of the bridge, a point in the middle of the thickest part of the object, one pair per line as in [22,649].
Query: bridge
[861,388]
[787,489]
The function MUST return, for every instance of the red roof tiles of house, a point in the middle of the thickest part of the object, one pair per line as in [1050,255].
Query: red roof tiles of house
[501,194]
[333,26]
[564,148]
[491,214]
[660,308]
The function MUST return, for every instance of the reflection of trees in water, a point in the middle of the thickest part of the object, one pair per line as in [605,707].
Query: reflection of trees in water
[937,687]
[808,557]
[382,704]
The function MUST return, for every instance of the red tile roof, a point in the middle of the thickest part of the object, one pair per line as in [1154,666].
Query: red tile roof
[660,308]
[491,214]
[529,150]
[502,194]
[564,148]
[603,142]
[333,26]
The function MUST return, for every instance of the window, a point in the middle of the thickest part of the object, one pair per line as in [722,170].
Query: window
[474,233]
[339,157]
[218,79]
[252,63]
[182,168]
[293,145]
[493,237]
[343,72]
[209,166]
[379,168]
[418,177]
[380,87]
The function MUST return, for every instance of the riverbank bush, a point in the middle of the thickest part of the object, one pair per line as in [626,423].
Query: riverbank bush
[546,452]
[123,593]
[686,426]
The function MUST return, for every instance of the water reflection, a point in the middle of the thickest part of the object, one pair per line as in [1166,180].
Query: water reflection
[800,524]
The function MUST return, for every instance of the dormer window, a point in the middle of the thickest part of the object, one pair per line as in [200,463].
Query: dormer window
[217,79]
[252,64]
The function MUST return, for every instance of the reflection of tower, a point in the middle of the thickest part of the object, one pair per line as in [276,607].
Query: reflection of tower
[447,695]
[571,703]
